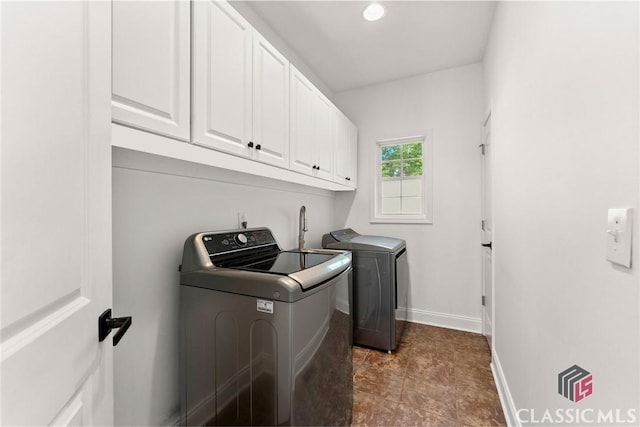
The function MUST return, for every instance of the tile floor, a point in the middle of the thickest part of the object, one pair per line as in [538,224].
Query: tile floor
[437,377]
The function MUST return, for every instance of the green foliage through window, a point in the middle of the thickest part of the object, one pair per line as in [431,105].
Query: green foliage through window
[401,160]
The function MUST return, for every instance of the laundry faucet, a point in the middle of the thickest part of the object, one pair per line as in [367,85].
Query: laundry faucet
[302,227]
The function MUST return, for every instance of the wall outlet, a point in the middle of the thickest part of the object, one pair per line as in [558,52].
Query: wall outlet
[242,220]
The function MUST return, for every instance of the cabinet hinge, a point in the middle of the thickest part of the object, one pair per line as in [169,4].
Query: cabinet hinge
[482,224]
[483,300]
[481,149]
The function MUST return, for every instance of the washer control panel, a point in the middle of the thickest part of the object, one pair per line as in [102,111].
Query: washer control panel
[228,241]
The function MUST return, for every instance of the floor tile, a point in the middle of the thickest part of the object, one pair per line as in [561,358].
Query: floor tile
[410,416]
[378,382]
[436,377]
[370,410]
[437,398]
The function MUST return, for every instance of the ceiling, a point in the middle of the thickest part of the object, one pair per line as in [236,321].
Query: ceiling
[414,37]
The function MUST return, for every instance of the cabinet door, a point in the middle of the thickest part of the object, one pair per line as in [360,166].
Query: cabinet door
[341,148]
[323,117]
[56,213]
[222,42]
[270,103]
[302,104]
[352,156]
[151,66]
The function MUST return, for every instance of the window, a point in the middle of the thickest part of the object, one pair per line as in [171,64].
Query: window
[403,180]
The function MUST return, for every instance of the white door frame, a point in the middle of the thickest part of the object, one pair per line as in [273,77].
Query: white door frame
[488,298]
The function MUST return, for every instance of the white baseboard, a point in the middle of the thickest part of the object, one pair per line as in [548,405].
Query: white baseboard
[508,407]
[174,420]
[451,321]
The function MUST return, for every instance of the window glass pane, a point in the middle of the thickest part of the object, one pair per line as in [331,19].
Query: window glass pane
[391,205]
[411,187]
[391,169]
[391,188]
[411,205]
[412,168]
[412,151]
[390,152]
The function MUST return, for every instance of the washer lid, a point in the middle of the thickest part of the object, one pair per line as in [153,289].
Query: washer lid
[349,240]
[283,263]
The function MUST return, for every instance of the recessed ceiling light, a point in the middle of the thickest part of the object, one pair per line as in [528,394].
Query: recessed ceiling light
[373,12]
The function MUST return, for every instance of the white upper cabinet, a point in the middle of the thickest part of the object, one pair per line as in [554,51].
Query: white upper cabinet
[352,156]
[301,109]
[312,116]
[323,146]
[270,103]
[340,158]
[222,55]
[345,157]
[199,72]
[151,66]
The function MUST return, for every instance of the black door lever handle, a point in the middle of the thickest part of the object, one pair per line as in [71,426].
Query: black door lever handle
[106,323]
[487,245]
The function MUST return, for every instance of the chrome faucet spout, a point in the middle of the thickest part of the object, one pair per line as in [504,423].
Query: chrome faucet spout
[302,227]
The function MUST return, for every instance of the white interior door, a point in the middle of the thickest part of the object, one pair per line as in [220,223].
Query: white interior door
[55,212]
[487,234]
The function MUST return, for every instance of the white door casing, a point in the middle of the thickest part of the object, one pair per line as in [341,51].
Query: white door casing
[151,66]
[487,232]
[55,227]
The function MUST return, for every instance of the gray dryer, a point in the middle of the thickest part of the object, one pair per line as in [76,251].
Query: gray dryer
[380,286]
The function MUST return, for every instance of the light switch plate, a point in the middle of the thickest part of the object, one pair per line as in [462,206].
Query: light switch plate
[619,236]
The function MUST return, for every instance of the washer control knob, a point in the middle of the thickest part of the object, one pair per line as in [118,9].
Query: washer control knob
[240,239]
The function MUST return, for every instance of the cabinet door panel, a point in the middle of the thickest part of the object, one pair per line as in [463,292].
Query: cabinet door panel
[270,103]
[323,138]
[222,77]
[302,100]
[341,148]
[352,159]
[151,66]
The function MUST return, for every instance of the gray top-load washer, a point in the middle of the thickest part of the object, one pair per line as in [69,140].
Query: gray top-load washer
[266,334]
[380,286]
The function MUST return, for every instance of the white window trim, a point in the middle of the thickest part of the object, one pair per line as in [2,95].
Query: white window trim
[427,197]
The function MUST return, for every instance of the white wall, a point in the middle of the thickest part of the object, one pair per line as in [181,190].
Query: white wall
[562,88]
[153,214]
[444,256]
[248,13]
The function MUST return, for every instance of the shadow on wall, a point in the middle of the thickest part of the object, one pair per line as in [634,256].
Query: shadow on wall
[342,207]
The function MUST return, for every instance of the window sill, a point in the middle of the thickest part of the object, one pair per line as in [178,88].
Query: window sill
[400,220]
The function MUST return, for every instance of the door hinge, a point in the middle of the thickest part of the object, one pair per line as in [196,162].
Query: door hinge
[482,224]
[481,149]
[483,300]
